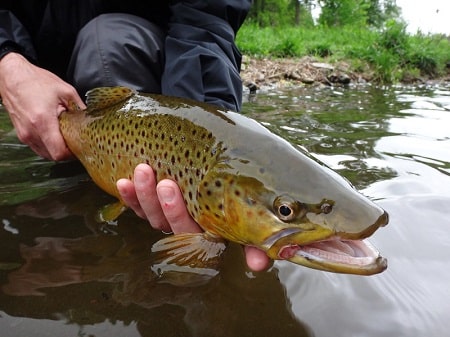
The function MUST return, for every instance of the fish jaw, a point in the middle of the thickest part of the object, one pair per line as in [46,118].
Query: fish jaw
[335,255]
[333,252]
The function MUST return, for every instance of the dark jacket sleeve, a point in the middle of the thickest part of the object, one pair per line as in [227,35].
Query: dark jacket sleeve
[202,60]
[14,36]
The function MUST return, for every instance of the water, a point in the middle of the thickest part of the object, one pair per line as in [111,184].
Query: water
[64,274]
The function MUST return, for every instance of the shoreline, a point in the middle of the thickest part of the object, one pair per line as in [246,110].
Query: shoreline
[284,72]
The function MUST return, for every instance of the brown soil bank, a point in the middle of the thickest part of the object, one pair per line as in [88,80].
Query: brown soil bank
[257,73]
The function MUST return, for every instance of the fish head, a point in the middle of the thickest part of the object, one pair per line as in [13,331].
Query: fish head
[301,211]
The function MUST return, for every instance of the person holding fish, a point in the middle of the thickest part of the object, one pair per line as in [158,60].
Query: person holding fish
[53,52]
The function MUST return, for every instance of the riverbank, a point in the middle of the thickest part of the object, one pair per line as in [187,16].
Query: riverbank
[308,70]
[341,55]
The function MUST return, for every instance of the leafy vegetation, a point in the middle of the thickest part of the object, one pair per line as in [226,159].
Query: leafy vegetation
[368,34]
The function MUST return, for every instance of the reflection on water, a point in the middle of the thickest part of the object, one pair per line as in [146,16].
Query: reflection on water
[94,278]
[63,274]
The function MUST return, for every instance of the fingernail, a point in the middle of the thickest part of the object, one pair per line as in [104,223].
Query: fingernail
[165,194]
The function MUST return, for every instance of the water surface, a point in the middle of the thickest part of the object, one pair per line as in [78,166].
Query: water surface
[64,274]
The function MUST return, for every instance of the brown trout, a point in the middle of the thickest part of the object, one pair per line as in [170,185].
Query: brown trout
[240,182]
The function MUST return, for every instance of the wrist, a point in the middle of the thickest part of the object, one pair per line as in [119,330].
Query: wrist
[10,61]
[7,48]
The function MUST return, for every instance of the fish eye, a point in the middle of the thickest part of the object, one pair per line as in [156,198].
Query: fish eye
[286,208]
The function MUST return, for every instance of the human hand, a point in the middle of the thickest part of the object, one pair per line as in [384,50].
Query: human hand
[34,99]
[166,210]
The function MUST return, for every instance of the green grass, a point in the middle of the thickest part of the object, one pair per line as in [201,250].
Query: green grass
[391,54]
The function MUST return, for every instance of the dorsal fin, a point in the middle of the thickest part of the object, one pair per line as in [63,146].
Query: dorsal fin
[104,97]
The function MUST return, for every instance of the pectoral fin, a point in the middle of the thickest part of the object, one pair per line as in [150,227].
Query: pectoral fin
[110,212]
[197,254]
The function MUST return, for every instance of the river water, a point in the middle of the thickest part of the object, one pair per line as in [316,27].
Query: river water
[64,274]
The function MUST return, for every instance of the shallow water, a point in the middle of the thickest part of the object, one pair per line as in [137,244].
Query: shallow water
[64,274]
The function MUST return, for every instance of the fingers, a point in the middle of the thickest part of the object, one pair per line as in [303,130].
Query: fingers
[174,208]
[52,141]
[257,260]
[69,94]
[129,197]
[162,205]
[140,195]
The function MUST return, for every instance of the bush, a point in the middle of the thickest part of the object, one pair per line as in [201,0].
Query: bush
[320,50]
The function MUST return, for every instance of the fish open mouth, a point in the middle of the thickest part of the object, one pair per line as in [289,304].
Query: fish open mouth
[344,256]
[334,254]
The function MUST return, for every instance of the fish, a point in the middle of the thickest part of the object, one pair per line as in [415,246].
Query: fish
[241,182]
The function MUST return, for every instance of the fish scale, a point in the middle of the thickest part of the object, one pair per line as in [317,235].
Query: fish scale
[240,182]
